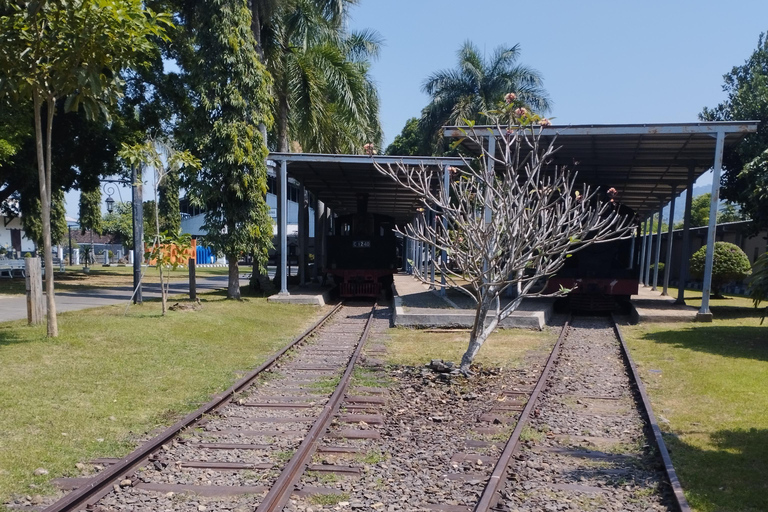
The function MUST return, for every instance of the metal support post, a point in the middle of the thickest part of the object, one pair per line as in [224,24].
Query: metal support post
[704,313]
[137,209]
[319,239]
[657,257]
[282,223]
[632,250]
[686,239]
[643,232]
[649,236]
[444,253]
[668,261]
[433,222]
[302,238]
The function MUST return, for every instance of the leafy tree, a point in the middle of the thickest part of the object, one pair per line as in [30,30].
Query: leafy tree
[505,224]
[31,219]
[120,222]
[90,209]
[758,286]
[745,177]
[728,213]
[74,50]
[230,87]
[479,85]
[700,210]
[168,207]
[730,264]
[324,97]
[411,141]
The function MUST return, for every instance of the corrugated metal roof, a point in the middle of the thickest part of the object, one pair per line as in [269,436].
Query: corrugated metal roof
[644,162]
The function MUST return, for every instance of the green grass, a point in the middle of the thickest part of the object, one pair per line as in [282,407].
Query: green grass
[329,499]
[711,384]
[99,277]
[505,347]
[109,379]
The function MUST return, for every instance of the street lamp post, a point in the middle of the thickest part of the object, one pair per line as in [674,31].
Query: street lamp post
[137,220]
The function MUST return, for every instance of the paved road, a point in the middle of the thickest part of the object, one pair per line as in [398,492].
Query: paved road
[14,307]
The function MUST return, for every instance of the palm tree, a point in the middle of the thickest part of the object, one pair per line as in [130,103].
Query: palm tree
[477,86]
[324,97]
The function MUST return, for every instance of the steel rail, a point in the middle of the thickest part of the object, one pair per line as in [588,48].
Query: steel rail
[669,468]
[281,490]
[78,498]
[490,494]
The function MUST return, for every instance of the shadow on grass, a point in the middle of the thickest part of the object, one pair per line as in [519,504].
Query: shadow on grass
[12,333]
[732,477]
[747,342]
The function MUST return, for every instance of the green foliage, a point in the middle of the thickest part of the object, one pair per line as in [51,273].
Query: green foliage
[120,221]
[745,180]
[31,218]
[477,86]
[324,97]
[168,203]
[758,286]
[411,141]
[700,210]
[90,210]
[231,86]
[730,264]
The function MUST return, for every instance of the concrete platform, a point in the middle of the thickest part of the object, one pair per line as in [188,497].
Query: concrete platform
[415,305]
[313,294]
[650,306]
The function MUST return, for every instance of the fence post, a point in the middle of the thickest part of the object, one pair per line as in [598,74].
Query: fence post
[192,281]
[34,286]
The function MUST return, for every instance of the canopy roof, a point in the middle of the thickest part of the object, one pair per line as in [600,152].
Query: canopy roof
[644,162]
[336,180]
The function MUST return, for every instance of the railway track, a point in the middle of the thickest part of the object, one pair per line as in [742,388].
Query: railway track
[571,430]
[259,436]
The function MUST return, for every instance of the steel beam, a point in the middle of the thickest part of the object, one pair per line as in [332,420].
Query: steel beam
[643,234]
[704,314]
[686,248]
[282,223]
[446,196]
[668,261]
[658,248]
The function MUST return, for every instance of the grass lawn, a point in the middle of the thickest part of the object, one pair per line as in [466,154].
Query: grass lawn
[98,277]
[109,379]
[504,348]
[709,386]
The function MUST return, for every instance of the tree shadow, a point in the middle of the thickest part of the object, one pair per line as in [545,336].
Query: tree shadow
[11,333]
[732,477]
[748,342]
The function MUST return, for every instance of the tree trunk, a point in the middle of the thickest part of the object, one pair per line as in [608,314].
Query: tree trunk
[233,285]
[282,123]
[44,176]
[477,336]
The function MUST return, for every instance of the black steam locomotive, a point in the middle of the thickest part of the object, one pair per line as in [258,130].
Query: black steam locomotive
[363,252]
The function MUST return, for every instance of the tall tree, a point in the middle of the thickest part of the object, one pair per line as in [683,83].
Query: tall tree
[478,85]
[90,209]
[168,203]
[74,50]
[324,97]
[411,141]
[505,220]
[745,176]
[229,87]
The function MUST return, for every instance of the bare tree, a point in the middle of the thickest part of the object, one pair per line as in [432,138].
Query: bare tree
[507,218]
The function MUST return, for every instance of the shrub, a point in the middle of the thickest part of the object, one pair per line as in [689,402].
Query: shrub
[730,264]
[758,287]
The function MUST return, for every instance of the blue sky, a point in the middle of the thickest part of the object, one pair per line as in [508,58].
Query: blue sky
[602,61]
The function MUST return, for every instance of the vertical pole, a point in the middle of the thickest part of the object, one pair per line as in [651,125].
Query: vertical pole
[643,234]
[302,238]
[686,248]
[70,244]
[657,257]
[319,239]
[192,280]
[34,285]
[433,222]
[668,261]
[649,236]
[282,214]
[632,250]
[137,209]
[704,313]
[446,198]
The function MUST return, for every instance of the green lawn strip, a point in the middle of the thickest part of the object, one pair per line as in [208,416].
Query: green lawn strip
[110,379]
[504,348]
[709,386]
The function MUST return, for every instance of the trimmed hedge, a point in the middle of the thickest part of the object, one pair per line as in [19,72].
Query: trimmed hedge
[730,264]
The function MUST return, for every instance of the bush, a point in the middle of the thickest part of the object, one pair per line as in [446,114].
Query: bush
[730,264]
[758,287]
